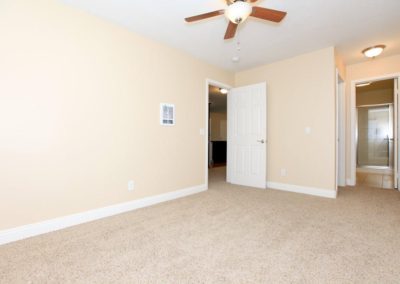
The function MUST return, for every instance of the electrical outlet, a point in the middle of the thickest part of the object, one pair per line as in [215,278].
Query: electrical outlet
[131,185]
[283,172]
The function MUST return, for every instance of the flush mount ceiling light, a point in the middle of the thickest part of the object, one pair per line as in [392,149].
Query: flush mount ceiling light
[363,84]
[373,51]
[238,12]
[223,91]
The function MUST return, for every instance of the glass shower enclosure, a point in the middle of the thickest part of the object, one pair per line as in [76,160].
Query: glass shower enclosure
[375,136]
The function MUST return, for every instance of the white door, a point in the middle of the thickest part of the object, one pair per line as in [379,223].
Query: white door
[247,136]
[396,132]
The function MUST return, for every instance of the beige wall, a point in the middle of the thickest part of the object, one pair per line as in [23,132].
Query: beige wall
[369,69]
[341,67]
[218,126]
[79,113]
[301,93]
[373,68]
[384,96]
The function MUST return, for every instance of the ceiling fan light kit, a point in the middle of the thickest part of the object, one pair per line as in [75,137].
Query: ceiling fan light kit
[237,12]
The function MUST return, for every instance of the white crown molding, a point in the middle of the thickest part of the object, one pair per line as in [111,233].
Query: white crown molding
[302,189]
[23,232]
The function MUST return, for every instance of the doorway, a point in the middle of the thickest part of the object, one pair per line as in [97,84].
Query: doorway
[217,132]
[242,132]
[376,126]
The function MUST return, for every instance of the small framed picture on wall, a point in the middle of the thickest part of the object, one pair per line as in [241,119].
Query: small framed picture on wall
[167,114]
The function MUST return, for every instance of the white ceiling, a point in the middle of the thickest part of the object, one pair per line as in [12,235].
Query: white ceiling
[350,25]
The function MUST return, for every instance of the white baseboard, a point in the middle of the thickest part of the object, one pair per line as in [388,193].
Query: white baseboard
[350,182]
[23,232]
[303,189]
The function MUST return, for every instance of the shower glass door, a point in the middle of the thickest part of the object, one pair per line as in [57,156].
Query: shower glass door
[375,136]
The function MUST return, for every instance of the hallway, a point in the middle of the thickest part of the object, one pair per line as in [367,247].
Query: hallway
[217,175]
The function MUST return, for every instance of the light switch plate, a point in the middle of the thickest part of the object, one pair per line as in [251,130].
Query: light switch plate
[131,185]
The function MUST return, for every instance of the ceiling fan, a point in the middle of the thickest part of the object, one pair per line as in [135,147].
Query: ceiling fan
[237,12]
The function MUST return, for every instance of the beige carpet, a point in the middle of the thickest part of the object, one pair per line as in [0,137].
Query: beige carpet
[228,234]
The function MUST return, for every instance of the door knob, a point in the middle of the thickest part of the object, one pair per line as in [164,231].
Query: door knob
[261,141]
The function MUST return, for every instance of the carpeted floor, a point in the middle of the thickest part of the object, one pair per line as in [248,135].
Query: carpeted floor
[228,234]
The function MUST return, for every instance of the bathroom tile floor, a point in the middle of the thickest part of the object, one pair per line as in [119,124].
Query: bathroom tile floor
[378,180]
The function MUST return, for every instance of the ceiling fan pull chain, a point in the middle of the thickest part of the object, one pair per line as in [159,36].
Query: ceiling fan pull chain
[236,57]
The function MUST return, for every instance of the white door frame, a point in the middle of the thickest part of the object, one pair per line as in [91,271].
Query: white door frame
[219,85]
[340,131]
[353,122]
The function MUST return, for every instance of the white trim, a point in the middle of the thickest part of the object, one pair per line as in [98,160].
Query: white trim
[23,232]
[397,140]
[302,189]
[377,170]
[376,105]
[353,140]
[349,182]
[220,85]
[337,126]
[342,142]
[340,131]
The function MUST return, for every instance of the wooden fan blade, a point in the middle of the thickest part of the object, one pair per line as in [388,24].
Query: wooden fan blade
[231,30]
[252,1]
[268,14]
[204,16]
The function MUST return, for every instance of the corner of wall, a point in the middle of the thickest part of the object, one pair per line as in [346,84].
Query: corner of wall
[340,65]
